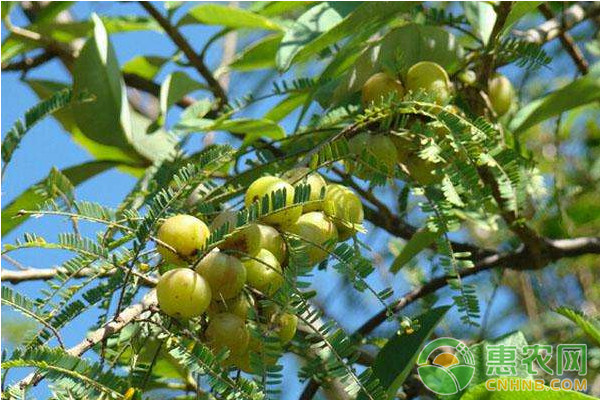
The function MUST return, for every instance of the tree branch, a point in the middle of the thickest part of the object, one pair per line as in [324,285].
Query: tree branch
[567,41]
[190,53]
[44,274]
[114,326]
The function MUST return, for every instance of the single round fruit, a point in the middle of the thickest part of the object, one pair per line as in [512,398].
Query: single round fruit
[225,274]
[239,305]
[345,208]
[404,148]
[468,77]
[502,94]
[319,233]
[303,176]
[251,238]
[286,325]
[182,293]
[430,77]
[268,186]
[228,330]
[264,272]
[185,234]
[423,171]
[379,87]
[381,147]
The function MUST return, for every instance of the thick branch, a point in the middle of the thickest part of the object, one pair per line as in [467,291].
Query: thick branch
[552,28]
[114,326]
[189,52]
[567,41]
[520,260]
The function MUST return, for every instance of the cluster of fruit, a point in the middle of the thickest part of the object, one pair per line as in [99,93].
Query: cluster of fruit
[432,79]
[251,256]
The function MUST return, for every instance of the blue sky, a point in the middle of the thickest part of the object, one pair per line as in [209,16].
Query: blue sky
[46,145]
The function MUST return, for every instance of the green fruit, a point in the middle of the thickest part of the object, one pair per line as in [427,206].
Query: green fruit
[251,238]
[267,186]
[502,94]
[345,208]
[319,233]
[404,148]
[185,234]
[378,148]
[423,171]
[379,87]
[182,293]
[239,305]
[303,176]
[227,330]
[225,274]
[468,77]
[264,272]
[430,77]
[286,325]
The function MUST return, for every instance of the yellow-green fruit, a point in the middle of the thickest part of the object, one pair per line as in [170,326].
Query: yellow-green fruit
[501,93]
[239,305]
[423,171]
[345,208]
[228,330]
[319,233]
[286,325]
[379,87]
[268,186]
[182,293]
[404,148]
[225,274]
[264,272]
[185,234]
[303,176]
[381,147]
[251,238]
[430,77]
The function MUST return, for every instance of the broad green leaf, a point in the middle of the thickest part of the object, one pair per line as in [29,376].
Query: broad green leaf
[417,243]
[44,89]
[306,28]
[589,325]
[146,67]
[481,16]
[230,17]
[286,106]
[397,358]
[481,392]
[197,110]
[259,55]
[29,199]
[174,87]
[578,93]
[106,120]
[252,129]
[152,143]
[518,11]
[276,8]
[314,31]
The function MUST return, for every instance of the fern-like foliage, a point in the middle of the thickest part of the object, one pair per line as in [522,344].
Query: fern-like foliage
[32,116]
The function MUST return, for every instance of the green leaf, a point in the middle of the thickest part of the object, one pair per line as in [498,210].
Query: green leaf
[259,55]
[481,392]
[578,93]
[419,241]
[7,6]
[589,325]
[518,11]
[230,17]
[370,16]
[286,106]
[306,28]
[482,17]
[44,89]
[107,120]
[146,67]
[41,110]
[29,199]
[252,129]
[397,358]
[174,87]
